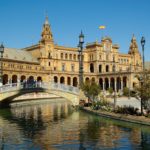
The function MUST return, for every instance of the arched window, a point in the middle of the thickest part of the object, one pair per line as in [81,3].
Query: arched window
[100,68]
[107,68]
[91,67]
[62,55]
[66,56]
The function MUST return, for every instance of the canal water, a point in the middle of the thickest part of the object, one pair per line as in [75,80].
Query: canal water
[56,126]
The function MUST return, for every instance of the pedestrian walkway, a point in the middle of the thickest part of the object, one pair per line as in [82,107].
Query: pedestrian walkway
[122,101]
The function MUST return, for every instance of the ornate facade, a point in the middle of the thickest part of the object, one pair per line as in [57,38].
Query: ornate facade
[50,62]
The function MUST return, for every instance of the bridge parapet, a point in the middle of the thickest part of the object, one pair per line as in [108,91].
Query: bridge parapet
[45,85]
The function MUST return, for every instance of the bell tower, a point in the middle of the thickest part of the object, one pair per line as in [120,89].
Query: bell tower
[136,60]
[46,36]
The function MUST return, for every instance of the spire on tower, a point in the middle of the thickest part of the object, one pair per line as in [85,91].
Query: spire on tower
[133,46]
[46,32]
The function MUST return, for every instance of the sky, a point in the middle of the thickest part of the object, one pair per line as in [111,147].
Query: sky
[22,20]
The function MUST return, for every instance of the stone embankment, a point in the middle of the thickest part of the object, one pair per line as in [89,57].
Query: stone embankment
[128,118]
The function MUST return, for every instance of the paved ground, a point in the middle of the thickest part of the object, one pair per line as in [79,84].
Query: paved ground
[121,101]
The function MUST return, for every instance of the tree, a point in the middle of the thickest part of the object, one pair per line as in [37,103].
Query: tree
[91,89]
[143,89]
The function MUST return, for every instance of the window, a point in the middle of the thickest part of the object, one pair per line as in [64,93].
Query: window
[100,68]
[107,57]
[100,57]
[70,56]
[49,64]
[72,67]
[63,67]
[107,68]
[66,56]
[62,56]
[74,57]
[91,68]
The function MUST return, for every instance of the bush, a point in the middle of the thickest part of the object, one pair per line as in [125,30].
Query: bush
[102,104]
[126,91]
[110,90]
[127,110]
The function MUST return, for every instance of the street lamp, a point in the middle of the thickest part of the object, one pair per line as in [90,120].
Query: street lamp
[143,44]
[1,64]
[80,46]
[142,80]
[114,69]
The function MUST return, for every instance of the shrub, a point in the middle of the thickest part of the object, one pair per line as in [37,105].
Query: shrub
[126,91]
[110,90]
[127,110]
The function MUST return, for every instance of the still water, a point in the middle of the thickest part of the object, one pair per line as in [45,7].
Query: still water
[56,126]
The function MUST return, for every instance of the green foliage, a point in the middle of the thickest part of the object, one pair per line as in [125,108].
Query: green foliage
[126,91]
[91,89]
[102,104]
[127,110]
[110,90]
[143,90]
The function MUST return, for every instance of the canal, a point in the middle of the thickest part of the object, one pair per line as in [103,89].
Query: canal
[48,125]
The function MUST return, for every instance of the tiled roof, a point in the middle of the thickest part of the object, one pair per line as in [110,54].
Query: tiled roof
[17,54]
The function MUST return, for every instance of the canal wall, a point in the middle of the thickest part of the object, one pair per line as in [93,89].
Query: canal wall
[128,118]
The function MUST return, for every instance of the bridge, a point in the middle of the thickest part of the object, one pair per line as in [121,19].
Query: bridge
[11,91]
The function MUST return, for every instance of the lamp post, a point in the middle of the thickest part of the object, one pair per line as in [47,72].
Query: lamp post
[114,69]
[1,64]
[129,81]
[80,46]
[143,44]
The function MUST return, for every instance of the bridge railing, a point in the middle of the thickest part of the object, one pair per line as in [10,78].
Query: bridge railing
[46,85]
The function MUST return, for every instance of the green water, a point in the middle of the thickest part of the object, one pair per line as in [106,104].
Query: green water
[56,126]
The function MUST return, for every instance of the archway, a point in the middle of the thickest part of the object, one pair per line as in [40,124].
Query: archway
[87,79]
[39,78]
[112,83]
[101,83]
[22,79]
[75,82]
[68,80]
[91,67]
[30,80]
[14,79]
[118,83]
[93,79]
[62,80]
[55,79]
[106,84]
[5,79]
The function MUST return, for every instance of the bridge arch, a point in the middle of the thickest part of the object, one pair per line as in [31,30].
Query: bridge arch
[68,92]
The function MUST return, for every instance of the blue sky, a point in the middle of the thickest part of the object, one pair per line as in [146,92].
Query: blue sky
[22,20]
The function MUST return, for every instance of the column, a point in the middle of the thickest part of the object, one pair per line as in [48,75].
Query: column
[103,85]
[121,84]
[109,82]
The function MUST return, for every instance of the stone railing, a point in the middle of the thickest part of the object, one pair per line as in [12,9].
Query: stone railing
[45,85]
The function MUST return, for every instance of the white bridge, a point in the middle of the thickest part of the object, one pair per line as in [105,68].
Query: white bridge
[11,91]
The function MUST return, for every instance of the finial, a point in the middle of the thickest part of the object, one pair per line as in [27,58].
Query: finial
[46,20]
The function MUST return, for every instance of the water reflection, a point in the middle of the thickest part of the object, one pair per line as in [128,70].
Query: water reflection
[56,126]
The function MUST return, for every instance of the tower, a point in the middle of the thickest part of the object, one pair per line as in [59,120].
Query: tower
[136,60]
[46,36]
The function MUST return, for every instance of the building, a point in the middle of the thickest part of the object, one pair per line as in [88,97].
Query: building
[49,62]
